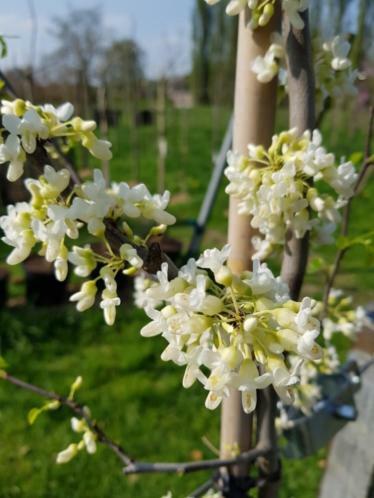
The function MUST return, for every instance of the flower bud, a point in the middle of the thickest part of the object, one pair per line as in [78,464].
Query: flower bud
[223,276]
[66,455]
[78,425]
[250,324]
[231,356]
[80,125]
[266,14]
[211,305]
[19,107]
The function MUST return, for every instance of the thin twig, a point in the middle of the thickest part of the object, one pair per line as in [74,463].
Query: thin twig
[187,467]
[202,489]
[76,408]
[367,163]
[131,466]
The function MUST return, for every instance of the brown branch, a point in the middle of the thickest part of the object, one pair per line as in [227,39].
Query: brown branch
[187,467]
[302,116]
[131,466]
[76,408]
[367,163]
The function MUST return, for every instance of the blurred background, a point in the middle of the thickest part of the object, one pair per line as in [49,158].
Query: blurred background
[158,77]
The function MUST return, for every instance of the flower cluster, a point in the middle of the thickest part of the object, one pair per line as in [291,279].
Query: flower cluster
[231,332]
[274,187]
[342,317]
[55,215]
[308,392]
[335,76]
[268,66]
[333,70]
[24,124]
[262,11]
[87,442]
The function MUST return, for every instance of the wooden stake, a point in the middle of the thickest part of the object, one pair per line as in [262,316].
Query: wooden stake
[254,116]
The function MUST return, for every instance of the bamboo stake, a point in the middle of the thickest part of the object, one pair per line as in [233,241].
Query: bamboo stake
[254,116]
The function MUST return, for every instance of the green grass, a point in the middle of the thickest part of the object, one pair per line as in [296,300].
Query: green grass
[139,398]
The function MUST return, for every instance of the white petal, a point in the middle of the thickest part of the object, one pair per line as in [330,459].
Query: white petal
[65,111]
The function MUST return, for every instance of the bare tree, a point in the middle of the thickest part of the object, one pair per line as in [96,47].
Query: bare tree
[80,39]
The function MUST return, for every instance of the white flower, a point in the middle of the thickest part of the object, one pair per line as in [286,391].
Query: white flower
[62,113]
[141,299]
[339,48]
[235,7]
[89,439]
[30,128]
[66,455]
[109,302]
[85,298]
[18,234]
[61,268]
[248,381]
[99,148]
[83,260]
[292,9]
[55,181]
[94,205]
[78,425]
[214,259]
[156,326]
[267,67]
[11,152]
[128,253]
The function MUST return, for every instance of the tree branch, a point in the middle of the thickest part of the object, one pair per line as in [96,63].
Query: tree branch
[302,116]
[131,466]
[367,163]
[187,467]
[76,408]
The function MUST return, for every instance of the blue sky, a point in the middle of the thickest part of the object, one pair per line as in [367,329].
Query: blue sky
[161,27]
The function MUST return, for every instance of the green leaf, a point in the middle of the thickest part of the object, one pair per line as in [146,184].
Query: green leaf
[361,240]
[3,363]
[33,415]
[356,157]
[35,412]
[75,386]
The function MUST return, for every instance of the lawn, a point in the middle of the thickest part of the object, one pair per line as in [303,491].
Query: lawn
[137,396]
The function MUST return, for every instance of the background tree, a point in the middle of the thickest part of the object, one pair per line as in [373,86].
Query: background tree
[202,32]
[80,39]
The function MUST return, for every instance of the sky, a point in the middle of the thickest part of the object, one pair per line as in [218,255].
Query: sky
[161,27]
